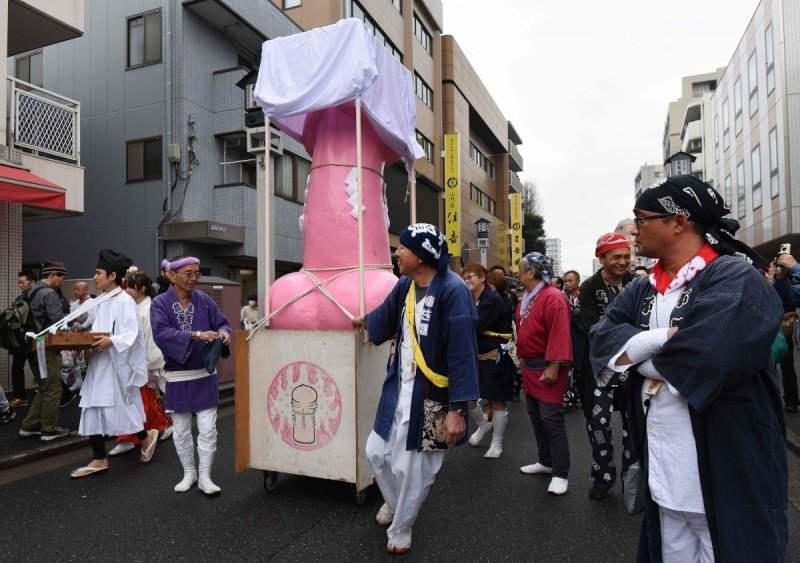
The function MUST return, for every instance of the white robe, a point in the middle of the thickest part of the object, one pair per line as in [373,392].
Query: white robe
[110,398]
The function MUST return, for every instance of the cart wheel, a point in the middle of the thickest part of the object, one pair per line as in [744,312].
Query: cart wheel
[270,480]
[361,497]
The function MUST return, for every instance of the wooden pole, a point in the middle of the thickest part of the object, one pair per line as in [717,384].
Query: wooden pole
[362,306]
[413,199]
[267,219]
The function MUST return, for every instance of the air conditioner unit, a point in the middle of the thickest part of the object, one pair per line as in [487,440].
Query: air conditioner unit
[483,243]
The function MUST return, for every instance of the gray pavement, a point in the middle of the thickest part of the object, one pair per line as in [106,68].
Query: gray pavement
[478,510]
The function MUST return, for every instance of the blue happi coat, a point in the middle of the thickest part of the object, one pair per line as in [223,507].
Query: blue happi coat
[719,360]
[449,347]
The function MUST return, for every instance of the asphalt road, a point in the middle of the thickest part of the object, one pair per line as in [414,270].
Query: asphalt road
[478,510]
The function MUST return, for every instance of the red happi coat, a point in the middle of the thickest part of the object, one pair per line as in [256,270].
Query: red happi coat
[545,333]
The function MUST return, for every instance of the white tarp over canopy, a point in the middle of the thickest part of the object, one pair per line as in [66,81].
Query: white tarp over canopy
[331,65]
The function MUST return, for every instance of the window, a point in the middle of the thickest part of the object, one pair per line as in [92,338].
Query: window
[30,68]
[423,91]
[737,105]
[426,145]
[143,160]
[752,75]
[480,159]
[740,198]
[291,177]
[357,11]
[728,192]
[774,187]
[770,59]
[478,196]
[716,137]
[291,4]
[144,39]
[726,125]
[755,163]
[422,35]
[238,165]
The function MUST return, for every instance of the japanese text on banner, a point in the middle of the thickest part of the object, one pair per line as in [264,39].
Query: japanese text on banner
[452,194]
[516,231]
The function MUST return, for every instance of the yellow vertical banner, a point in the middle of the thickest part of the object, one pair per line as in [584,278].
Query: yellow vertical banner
[516,231]
[452,193]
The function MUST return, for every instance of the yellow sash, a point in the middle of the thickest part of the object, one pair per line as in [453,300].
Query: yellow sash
[435,378]
[506,335]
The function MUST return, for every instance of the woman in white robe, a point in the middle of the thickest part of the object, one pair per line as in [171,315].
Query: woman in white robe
[110,400]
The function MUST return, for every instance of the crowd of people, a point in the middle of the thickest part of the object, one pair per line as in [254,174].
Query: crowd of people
[684,352]
[150,366]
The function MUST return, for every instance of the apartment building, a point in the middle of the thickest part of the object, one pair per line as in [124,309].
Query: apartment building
[163,137]
[552,249]
[647,174]
[756,128]
[489,155]
[692,90]
[41,167]
[411,31]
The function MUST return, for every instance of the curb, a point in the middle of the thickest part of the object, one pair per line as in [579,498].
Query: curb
[793,442]
[74,442]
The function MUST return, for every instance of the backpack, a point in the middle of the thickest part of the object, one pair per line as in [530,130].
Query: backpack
[15,321]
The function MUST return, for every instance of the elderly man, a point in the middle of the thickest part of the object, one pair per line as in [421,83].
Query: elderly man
[544,347]
[704,402]
[186,327]
[434,374]
[82,323]
[596,294]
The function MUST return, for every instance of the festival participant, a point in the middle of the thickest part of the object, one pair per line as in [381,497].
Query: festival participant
[494,329]
[139,286]
[596,294]
[703,400]
[184,323]
[110,399]
[422,409]
[545,351]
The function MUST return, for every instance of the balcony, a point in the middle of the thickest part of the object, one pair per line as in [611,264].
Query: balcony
[514,158]
[514,182]
[33,24]
[44,130]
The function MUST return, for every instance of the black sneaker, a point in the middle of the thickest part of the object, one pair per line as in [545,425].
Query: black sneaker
[57,432]
[597,493]
[27,432]
[8,416]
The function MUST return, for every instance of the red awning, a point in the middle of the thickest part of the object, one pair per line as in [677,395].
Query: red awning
[18,185]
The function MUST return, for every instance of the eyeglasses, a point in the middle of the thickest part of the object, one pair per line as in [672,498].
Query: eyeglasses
[190,275]
[639,220]
[469,277]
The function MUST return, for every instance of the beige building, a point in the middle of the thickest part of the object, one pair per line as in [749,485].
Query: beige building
[756,129]
[40,166]
[450,99]
[692,90]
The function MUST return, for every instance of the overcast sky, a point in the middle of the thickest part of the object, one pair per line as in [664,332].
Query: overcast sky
[586,84]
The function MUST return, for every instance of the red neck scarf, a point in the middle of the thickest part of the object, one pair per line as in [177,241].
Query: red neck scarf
[660,280]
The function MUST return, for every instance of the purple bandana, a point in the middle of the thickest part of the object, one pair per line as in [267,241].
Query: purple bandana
[178,264]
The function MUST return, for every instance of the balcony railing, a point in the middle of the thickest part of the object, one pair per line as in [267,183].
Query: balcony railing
[43,122]
[515,159]
[514,182]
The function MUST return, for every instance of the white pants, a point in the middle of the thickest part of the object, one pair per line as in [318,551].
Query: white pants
[685,537]
[404,476]
[206,429]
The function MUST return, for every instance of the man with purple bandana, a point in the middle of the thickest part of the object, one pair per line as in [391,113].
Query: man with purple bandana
[184,322]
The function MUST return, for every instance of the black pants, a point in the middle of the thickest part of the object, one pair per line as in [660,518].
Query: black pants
[551,435]
[98,443]
[18,372]
[598,426]
[789,376]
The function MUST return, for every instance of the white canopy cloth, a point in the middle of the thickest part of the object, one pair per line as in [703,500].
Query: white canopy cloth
[328,66]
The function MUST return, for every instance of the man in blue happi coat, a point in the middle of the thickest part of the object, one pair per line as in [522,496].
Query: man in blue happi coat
[704,401]
[432,376]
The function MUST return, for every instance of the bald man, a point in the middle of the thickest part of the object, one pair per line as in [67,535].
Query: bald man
[81,324]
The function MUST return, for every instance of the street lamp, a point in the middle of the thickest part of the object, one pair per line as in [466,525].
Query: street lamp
[482,226]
